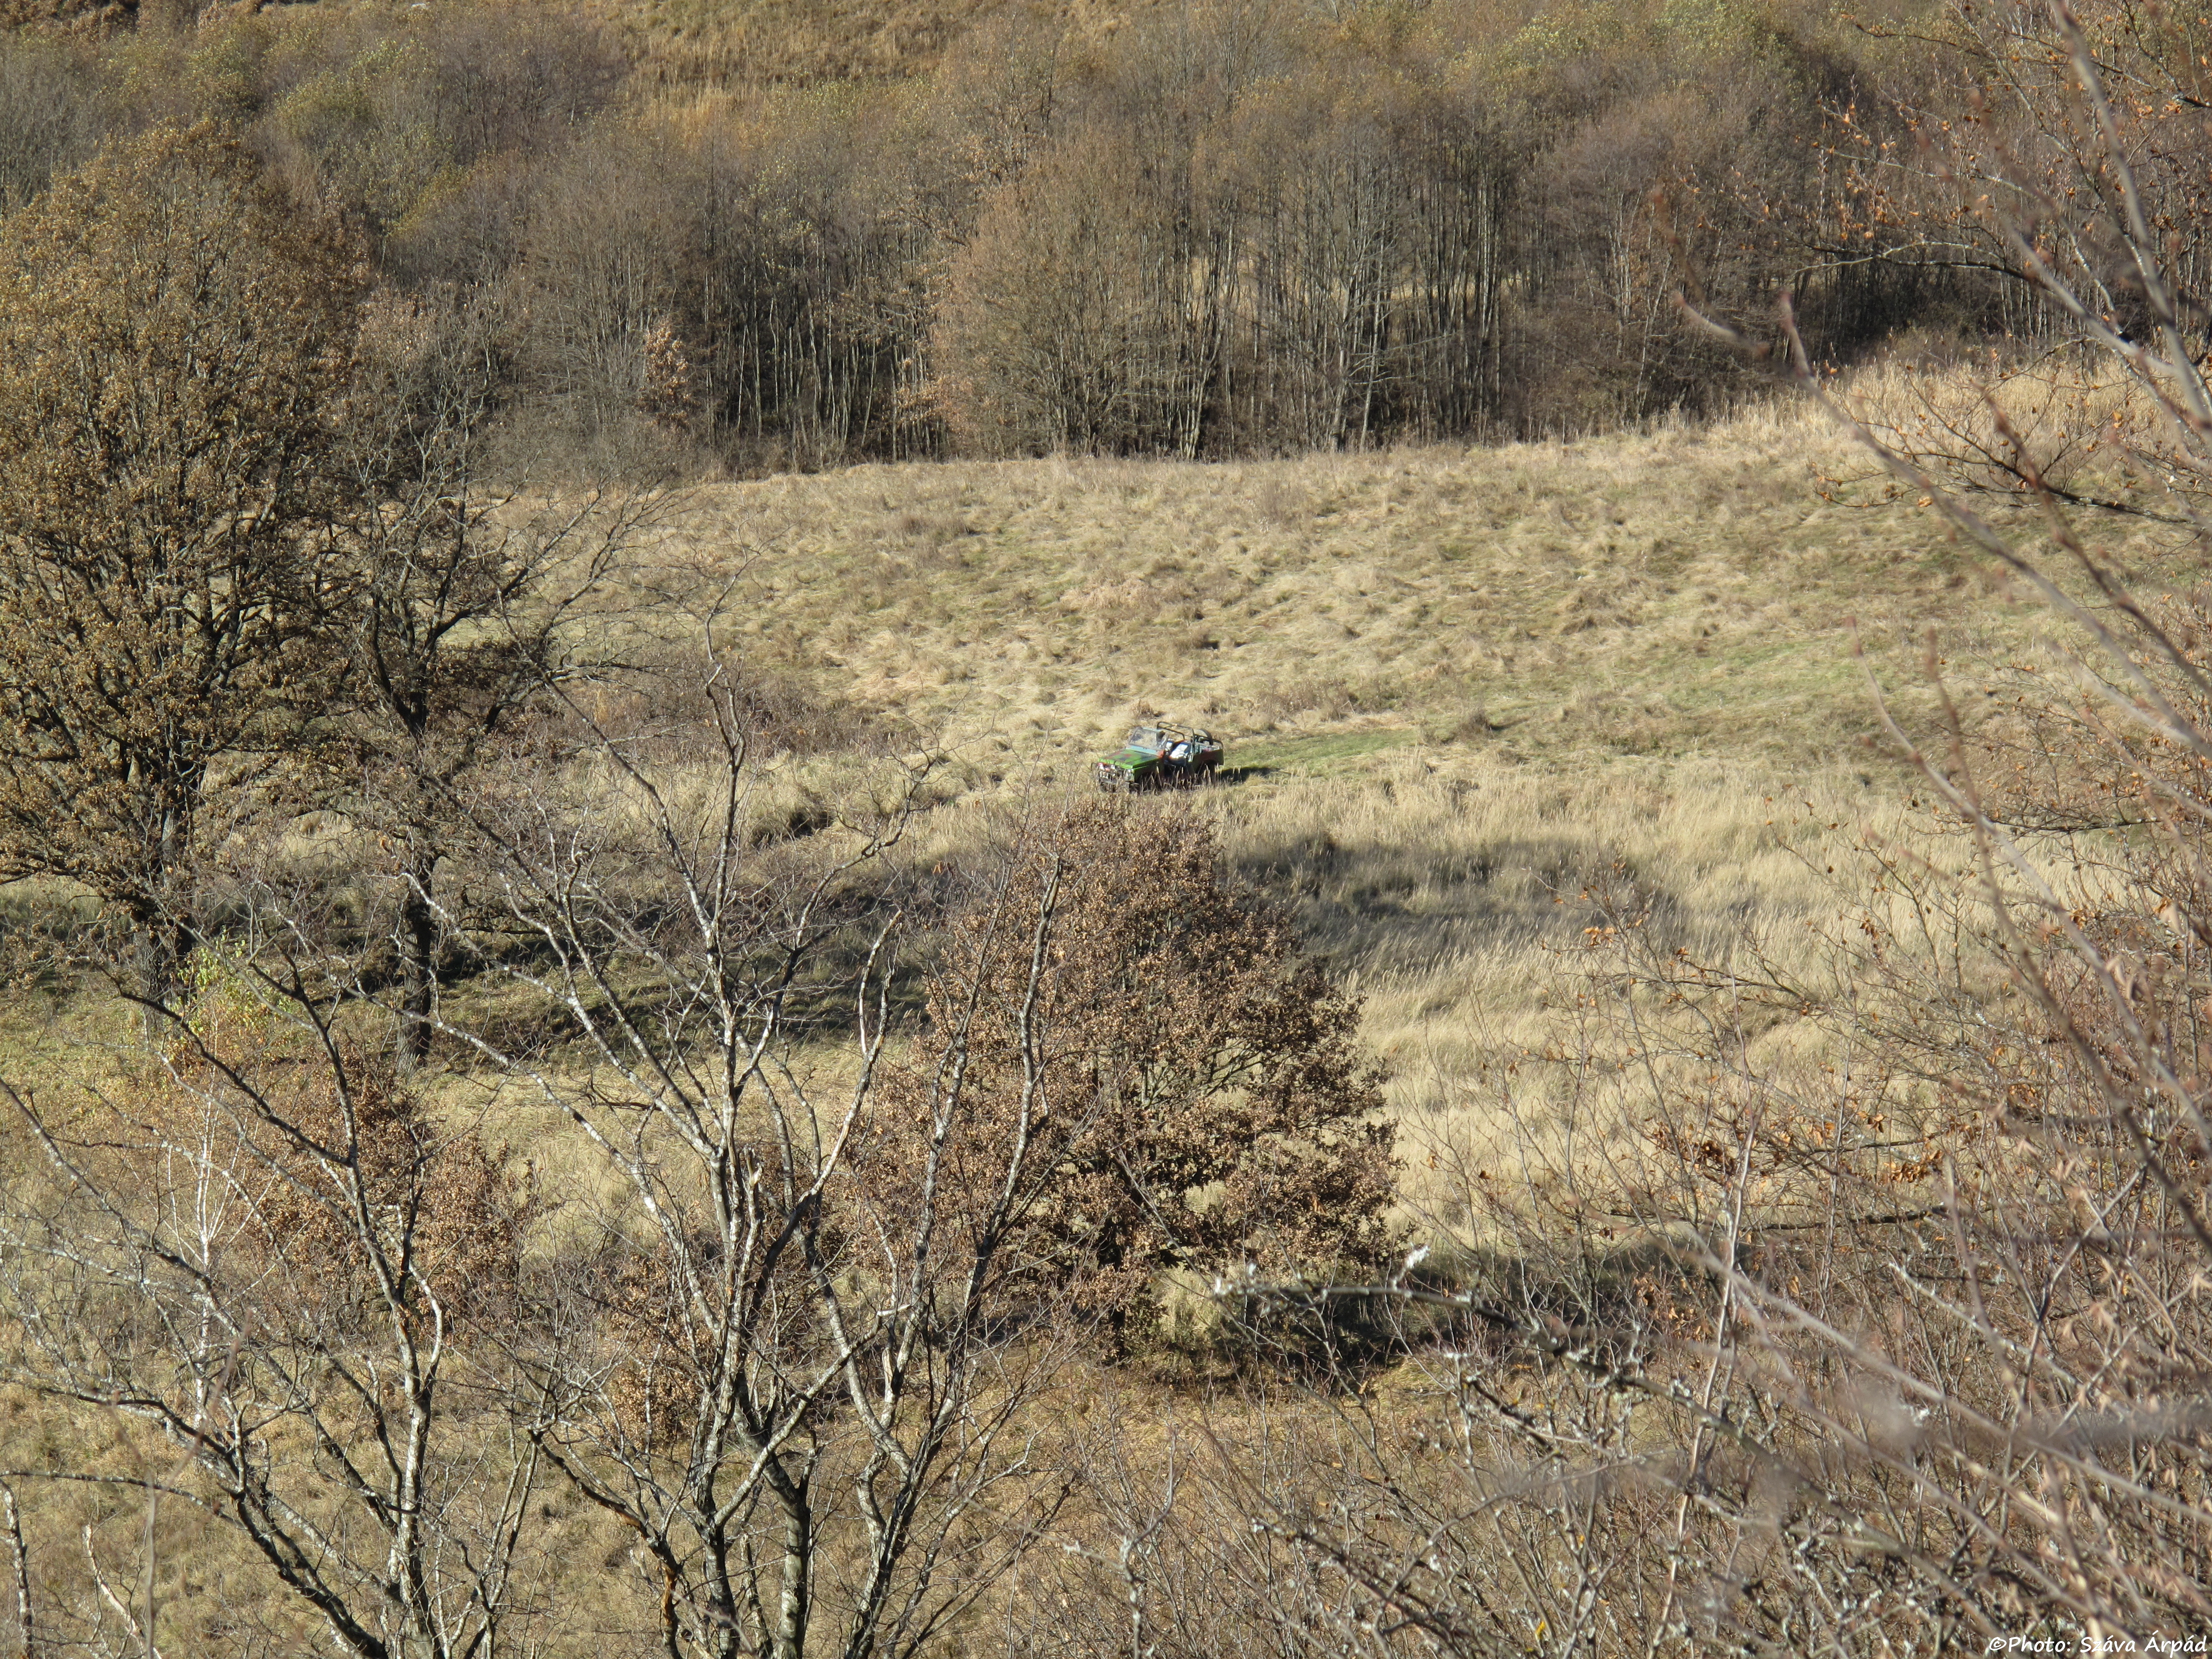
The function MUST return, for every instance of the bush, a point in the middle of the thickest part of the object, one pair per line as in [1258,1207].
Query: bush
[1192,1077]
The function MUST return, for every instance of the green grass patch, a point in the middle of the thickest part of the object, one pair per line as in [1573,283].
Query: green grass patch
[1316,756]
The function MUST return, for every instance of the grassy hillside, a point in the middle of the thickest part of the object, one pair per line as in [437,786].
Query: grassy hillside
[688,42]
[1456,686]
[1460,688]
[1648,598]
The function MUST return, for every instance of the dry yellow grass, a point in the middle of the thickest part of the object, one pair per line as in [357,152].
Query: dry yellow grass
[691,43]
[1680,593]
[1456,685]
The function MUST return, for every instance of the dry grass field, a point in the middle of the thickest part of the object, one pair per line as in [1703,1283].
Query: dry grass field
[691,43]
[1456,685]
[1651,598]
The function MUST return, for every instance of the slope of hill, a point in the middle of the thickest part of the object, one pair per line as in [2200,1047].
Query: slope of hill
[723,42]
[681,42]
[1681,592]
[693,41]
[1457,686]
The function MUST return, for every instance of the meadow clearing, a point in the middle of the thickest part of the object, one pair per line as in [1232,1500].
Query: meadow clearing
[1456,684]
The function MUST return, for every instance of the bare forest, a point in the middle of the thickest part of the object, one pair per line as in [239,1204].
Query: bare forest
[1214,232]
[585,1071]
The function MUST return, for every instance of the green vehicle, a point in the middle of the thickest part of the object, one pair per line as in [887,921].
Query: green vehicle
[1162,757]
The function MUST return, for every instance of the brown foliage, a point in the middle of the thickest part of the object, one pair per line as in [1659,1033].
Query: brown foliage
[1200,1099]
[314,1147]
[173,347]
[443,1203]
[254,1242]
[1198,230]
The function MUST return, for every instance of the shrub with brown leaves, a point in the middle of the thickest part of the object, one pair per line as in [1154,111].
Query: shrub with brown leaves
[1194,1073]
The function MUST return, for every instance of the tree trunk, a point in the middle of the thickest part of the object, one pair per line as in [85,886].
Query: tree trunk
[789,1638]
[160,936]
[418,959]
[159,943]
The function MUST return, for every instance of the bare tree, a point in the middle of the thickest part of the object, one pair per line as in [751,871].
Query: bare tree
[47,113]
[781,1357]
[257,1244]
[472,599]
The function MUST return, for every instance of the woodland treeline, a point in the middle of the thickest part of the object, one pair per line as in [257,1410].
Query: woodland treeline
[1237,228]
